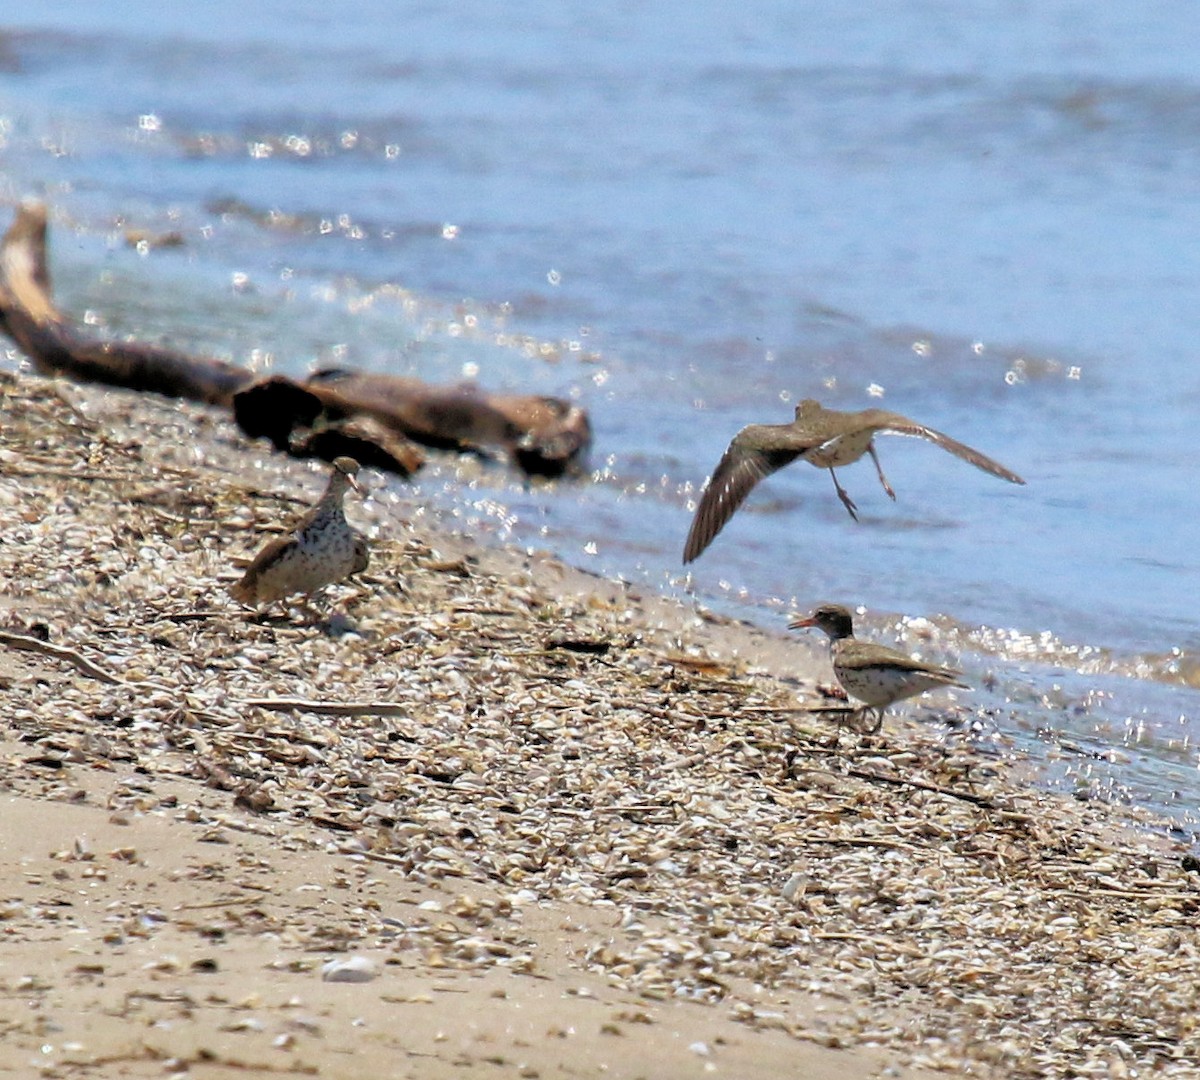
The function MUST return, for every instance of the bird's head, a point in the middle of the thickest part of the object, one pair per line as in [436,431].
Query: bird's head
[345,470]
[833,619]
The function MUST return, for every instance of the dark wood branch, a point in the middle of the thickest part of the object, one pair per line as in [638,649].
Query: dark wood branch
[375,418]
[542,435]
[29,317]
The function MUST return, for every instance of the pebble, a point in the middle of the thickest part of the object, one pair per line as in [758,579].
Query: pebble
[354,969]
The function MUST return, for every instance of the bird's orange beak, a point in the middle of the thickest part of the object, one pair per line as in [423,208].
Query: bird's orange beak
[800,624]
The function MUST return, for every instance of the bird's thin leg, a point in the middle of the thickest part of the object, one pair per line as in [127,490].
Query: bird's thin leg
[847,502]
[305,606]
[879,469]
[861,715]
[836,740]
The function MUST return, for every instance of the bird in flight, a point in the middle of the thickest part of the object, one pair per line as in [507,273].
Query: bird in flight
[826,438]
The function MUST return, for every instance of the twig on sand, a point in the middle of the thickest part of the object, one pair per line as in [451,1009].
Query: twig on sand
[905,781]
[60,652]
[796,710]
[330,708]
[26,643]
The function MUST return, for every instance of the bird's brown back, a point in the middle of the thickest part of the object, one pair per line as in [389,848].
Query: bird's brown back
[856,654]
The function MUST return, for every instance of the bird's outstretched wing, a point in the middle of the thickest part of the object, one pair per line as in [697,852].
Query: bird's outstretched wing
[755,453]
[894,424]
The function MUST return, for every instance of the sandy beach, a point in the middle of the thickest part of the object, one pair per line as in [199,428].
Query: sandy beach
[501,818]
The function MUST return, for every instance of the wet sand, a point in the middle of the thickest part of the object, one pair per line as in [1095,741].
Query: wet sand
[558,828]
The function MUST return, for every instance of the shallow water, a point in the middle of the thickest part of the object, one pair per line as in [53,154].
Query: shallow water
[981,218]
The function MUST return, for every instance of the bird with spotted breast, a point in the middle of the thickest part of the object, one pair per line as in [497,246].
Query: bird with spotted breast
[320,549]
[826,438]
[874,674]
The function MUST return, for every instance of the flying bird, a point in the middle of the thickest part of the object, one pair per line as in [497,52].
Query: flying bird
[823,437]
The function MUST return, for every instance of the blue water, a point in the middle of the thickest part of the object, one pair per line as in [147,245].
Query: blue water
[688,218]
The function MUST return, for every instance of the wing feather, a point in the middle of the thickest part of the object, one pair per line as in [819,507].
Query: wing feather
[866,654]
[895,424]
[246,591]
[755,453]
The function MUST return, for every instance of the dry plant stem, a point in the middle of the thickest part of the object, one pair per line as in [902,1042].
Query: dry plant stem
[60,652]
[920,785]
[330,708]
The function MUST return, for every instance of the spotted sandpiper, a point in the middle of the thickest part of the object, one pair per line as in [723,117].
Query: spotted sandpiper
[823,437]
[320,549]
[874,674]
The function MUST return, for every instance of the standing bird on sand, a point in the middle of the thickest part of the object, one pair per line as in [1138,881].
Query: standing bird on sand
[874,674]
[823,437]
[320,549]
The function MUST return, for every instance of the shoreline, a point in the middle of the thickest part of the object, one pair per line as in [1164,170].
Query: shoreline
[570,823]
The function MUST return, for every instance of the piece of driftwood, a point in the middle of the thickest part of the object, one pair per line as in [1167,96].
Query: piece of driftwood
[362,438]
[543,435]
[56,347]
[300,423]
[374,418]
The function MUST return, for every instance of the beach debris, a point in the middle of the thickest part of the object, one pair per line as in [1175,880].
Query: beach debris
[56,346]
[363,438]
[144,240]
[543,436]
[351,969]
[375,418]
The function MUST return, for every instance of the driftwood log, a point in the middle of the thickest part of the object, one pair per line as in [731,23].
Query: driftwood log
[543,435]
[56,347]
[374,418]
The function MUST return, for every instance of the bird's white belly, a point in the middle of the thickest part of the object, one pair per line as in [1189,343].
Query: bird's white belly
[841,450]
[879,687]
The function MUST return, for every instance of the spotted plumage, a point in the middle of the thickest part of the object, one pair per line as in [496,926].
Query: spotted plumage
[823,437]
[320,549]
[874,674]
